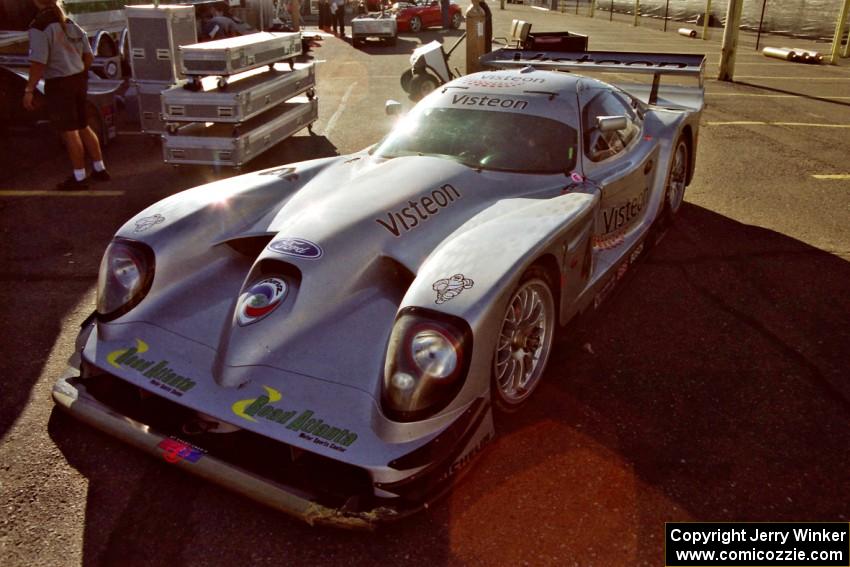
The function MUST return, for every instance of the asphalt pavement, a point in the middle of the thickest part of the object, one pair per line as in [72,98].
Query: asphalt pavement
[712,387]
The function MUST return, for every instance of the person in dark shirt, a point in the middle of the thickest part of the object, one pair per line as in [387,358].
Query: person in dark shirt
[60,54]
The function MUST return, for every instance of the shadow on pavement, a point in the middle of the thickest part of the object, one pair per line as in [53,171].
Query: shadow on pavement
[711,386]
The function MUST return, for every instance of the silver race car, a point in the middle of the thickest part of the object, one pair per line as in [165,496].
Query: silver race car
[334,338]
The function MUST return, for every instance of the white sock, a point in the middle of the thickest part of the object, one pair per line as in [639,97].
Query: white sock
[80,174]
[98,165]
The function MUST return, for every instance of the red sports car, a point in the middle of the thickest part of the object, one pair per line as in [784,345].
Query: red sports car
[415,16]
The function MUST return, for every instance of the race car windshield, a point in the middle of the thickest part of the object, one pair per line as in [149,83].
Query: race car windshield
[482,139]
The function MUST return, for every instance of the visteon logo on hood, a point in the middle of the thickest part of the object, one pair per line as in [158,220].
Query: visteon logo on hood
[424,208]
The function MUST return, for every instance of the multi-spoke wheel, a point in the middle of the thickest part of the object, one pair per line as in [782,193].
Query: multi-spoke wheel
[415,24]
[677,179]
[525,341]
[457,20]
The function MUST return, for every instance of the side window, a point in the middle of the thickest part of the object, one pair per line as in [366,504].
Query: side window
[601,145]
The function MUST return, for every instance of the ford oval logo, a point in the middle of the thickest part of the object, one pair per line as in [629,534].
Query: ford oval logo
[296,247]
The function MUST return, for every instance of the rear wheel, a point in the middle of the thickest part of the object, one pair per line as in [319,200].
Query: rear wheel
[416,24]
[677,178]
[457,19]
[422,85]
[525,340]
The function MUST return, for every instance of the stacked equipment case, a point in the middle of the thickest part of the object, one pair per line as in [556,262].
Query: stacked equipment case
[156,33]
[238,100]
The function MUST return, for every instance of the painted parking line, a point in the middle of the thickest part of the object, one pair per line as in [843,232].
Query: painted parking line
[777,95]
[24,193]
[760,123]
[833,176]
[339,110]
[774,78]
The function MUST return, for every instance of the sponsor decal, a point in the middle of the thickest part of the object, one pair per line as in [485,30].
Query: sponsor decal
[490,80]
[618,275]
[261,299]
[174,450]
[298,247]
[489,101]
[146,223]
[577,177]
[303,422]
[619,216]
[608,241]
[424,209]
[159,373]
[466,459]
[449,288]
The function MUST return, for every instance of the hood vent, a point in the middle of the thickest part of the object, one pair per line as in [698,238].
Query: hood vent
[250,246]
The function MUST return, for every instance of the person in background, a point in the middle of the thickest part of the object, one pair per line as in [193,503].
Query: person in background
[60,54]
[295,13]
[338,17]
[218,23]
[324,15]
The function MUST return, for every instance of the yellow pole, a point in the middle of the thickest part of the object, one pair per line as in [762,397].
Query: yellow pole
[592,7]
[705,19]
[637,11]
[839,32]
[474,36]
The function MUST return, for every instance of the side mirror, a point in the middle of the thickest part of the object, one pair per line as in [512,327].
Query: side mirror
[392,107]
[611,123]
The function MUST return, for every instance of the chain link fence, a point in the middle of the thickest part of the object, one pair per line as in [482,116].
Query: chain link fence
[805,19]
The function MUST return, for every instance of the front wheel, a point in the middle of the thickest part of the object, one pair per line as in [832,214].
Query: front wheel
[416,24]
[677,178]
[524,342]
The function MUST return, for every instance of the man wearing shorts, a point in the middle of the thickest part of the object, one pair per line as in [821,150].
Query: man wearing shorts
[61,55]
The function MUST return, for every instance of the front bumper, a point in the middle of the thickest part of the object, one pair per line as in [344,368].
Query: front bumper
[250,463]
[71,395]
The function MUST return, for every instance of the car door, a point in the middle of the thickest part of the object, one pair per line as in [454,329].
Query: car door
[431,15]
[622,163]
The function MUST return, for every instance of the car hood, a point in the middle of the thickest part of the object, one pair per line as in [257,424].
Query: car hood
[348,242]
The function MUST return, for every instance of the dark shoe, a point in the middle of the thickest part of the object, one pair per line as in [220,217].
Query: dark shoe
[100,175]
[71,184]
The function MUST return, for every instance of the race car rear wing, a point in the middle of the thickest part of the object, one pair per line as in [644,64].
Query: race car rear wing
[656,64]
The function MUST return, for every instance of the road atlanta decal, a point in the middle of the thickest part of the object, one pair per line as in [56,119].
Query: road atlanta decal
[449,288]
[160,374]
[297,247]
[304,423]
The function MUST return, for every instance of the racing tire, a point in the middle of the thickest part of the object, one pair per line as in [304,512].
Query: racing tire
[524,342]
[406,77]
[457,20]
[415,24]
[677,179]
[422,85]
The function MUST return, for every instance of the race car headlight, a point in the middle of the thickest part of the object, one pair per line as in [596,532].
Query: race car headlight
[426,365]
[126,274]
